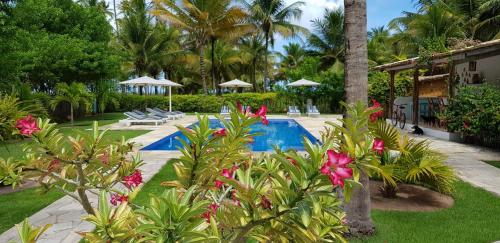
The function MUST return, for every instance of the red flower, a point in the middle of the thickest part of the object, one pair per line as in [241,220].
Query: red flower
[27,126]
[135,179]
[118,198]
[54,165]
[239,107]
[294,162]
[262,112]
[235,199]
[339,162]
[228,173]
[206,215]
[218,183]
[377,114]
[264,201]
[265,121]
[220,133]
[378,146]
[212,209]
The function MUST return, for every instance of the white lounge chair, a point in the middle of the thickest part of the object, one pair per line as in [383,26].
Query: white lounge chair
[175,114]
[224,111]
[312,111]
[293,111]
[162,114]
[135,118]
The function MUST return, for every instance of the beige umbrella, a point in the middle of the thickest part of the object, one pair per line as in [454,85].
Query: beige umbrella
[303,82]
[169,84]
[236,84]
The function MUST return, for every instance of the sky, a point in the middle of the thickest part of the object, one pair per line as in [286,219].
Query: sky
[379,12]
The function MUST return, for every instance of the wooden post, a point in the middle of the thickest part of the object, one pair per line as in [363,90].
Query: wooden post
[415,97]
[392,74]
[451,80]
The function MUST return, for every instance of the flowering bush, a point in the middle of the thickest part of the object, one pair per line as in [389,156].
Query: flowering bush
[74,165]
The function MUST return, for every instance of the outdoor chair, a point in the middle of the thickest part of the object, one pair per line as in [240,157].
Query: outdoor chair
[293,111]
[175,114]
[312,111]
[135,118]
[163,114]
[224,111]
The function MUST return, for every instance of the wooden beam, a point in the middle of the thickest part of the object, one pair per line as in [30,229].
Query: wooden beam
[415,97]
[392,74]
[451,80]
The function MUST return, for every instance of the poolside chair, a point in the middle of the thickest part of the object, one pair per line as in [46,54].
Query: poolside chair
[293,111]
[135,118]
[162,114]
[224,111]
[312,111]
[175,114]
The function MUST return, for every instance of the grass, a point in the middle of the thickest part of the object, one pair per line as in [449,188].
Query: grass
[16,206]
[473,218]
[493,163]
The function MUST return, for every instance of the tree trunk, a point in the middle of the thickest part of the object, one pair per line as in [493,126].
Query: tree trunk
[356,89]
[214,79]
[71,113]
[116,21]
[266,70]
[202,71]
[254,74]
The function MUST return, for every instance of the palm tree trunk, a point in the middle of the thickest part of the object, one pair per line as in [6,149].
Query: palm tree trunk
[202,71]
[71,113]
[254,75]
[356,89]
[214,80]
[116,21]
[266,70]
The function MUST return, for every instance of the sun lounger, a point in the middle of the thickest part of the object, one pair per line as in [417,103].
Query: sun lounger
[175,114]
[162,114]
[312,111]
[224,111]
[293,111]
[135,118]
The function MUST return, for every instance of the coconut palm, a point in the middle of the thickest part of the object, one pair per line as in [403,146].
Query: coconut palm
[106,95]
[379,46]
[253,51]
[356,90]
[273,17]
[225,61]
[328,37]
[203,20]
[294,55]
[75,94]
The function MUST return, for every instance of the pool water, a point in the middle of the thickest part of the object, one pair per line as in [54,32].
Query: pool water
[284,133]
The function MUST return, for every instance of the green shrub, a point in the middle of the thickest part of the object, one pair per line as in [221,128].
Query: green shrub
[202,103]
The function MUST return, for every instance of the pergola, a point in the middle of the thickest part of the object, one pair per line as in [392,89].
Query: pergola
[451,59]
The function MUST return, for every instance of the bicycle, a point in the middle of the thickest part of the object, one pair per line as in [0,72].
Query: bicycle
[398,116]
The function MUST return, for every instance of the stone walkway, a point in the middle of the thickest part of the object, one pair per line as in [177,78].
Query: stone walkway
[65,214]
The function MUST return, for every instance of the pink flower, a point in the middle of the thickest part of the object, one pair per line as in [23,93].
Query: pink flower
[264,201]
[378,146]
[376,106]
[239,107]
[262,112]
[27,126]
[294,162]
[212,209]
[135,179]
[338,162]
[218,183]
[206,215]
[265,121]
[235,199]
[228,173]
[220,133]
[104,158]
[118,198]
[54,165]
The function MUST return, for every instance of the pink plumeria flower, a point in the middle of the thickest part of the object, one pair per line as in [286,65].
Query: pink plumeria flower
[228,173]
[220,133]
[378,146]
[336,167]
[262,112]
[218,183]
[118,198]
[27,126]
[133,180]
[374,116]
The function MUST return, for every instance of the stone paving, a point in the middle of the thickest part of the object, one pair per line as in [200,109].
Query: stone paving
[65,214]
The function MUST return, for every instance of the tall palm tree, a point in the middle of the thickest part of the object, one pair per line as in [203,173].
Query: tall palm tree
[75,94]
[273,17]
[225,61]
[115,16]
[379,46]
[328,37]
[294,55]
[203,20]
[356,90]
[253,52]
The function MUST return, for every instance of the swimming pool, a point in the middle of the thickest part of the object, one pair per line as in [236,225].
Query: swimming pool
[284,133]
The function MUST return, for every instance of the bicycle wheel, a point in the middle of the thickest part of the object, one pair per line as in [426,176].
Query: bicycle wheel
[394,118]
[402,120]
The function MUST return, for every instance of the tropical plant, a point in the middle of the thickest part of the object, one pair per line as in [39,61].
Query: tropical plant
[379,46]
[30,234]
[75,94]
[91,162]
[294,55]
[274,17]
[328,37]
[225,62]
[204,21]
[12,109]
[253,51]
[356,90]
[106,95]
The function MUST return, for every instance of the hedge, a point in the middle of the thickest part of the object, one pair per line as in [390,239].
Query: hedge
[276,103]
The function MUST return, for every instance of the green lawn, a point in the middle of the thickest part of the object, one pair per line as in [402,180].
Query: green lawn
[493,163]
[473,218]
[14,207]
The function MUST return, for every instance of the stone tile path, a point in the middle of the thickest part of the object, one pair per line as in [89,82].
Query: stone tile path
[65,214]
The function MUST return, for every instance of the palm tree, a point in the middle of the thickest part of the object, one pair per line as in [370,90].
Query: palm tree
[204,21]
[356,90]
[328,37]
[274,17]
[488,26]
[106,95]
[253,52]
[294,55]
[379,46]
[75,94]
[225,60]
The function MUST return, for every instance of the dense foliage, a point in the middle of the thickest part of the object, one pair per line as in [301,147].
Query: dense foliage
[475,112]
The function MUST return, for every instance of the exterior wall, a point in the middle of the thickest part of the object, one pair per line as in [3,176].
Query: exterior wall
[486,68]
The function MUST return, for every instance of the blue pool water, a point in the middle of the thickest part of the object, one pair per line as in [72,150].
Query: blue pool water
[284,133]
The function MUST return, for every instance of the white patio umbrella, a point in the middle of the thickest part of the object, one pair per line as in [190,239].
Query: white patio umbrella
[236,84]
[169,84]
[303,82]
[142,81]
